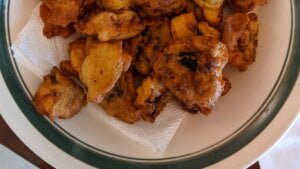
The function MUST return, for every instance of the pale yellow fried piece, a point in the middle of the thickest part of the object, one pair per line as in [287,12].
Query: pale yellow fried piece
[112,26]
[143,47]
[77,53]
[102,67]
[240,37]
[58,96]
[208,30]
[192,70]
[119,102]
[184,25]
[245,5]
[60,12]
[116,5]
[152,97]
[160,7]
[50,30]
[212,10]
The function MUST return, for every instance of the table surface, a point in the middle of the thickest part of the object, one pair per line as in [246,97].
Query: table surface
[11,141]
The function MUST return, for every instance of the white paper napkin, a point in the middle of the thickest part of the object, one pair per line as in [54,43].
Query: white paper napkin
[286,153]
[40,54]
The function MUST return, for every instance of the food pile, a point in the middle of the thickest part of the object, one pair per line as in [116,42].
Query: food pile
[133,56]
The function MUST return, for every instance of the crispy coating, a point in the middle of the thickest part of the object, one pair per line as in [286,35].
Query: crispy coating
[144,47]
[60,12]
[50,30]
[240,37]
[208,30]
[112,26]
[212,10]
[245,5]
[193,7]
[116,5]
[152,97]
[184,26]
[192,70]
[102,67]
[58,96]
[160,7]
[119,102]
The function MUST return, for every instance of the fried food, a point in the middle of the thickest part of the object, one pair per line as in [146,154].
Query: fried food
[144,47]
[116,5]
[152,97]
[192,70]
[112,26]
[240,36]
[208,30]
[102,67]
[212,10]
[245,5]
[160,7]
[50,30]
[193,7]
[58,96]
[60,12]
[184,26]
[119,102]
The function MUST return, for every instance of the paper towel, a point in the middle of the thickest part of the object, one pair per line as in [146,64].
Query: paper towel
[39,54]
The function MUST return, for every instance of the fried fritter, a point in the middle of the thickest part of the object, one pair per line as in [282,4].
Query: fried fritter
[102,67]
[143,47]
[50,30]
[212,10]
[184,26]
[112,26]
[116,5]
[58,96]
[245,5]
[240,37]
[208,30]
[192,70]
[160,7]
[60,12]
[119,102]
[152,97]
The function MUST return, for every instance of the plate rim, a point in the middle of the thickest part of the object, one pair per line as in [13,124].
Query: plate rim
[113,160]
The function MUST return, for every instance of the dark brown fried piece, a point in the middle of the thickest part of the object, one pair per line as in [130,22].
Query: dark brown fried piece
[50,30]
[143,47]
[160,7]
[240,37]
[119,102]
[58,96]
[193,7]
[66,67]
[245,5]
[111,26]
[192,70]
[60,12]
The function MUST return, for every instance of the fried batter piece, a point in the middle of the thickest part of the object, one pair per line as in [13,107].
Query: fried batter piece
[102,67]
[152,98]
[119,102]
[193,7]
[160,7]
[116,5]
[50,30]
[111,26]
[240,37]
[143,47]
[208,30]
[58,96]
[184,26]
[245,5]
[212,10]
[192,70]
[60,12]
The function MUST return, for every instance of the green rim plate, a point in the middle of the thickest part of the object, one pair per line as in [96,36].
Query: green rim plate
[103,159]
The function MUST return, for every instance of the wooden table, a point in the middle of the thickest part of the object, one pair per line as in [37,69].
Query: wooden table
[11,141]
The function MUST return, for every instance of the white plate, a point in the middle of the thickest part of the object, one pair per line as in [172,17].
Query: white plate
[255,99]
